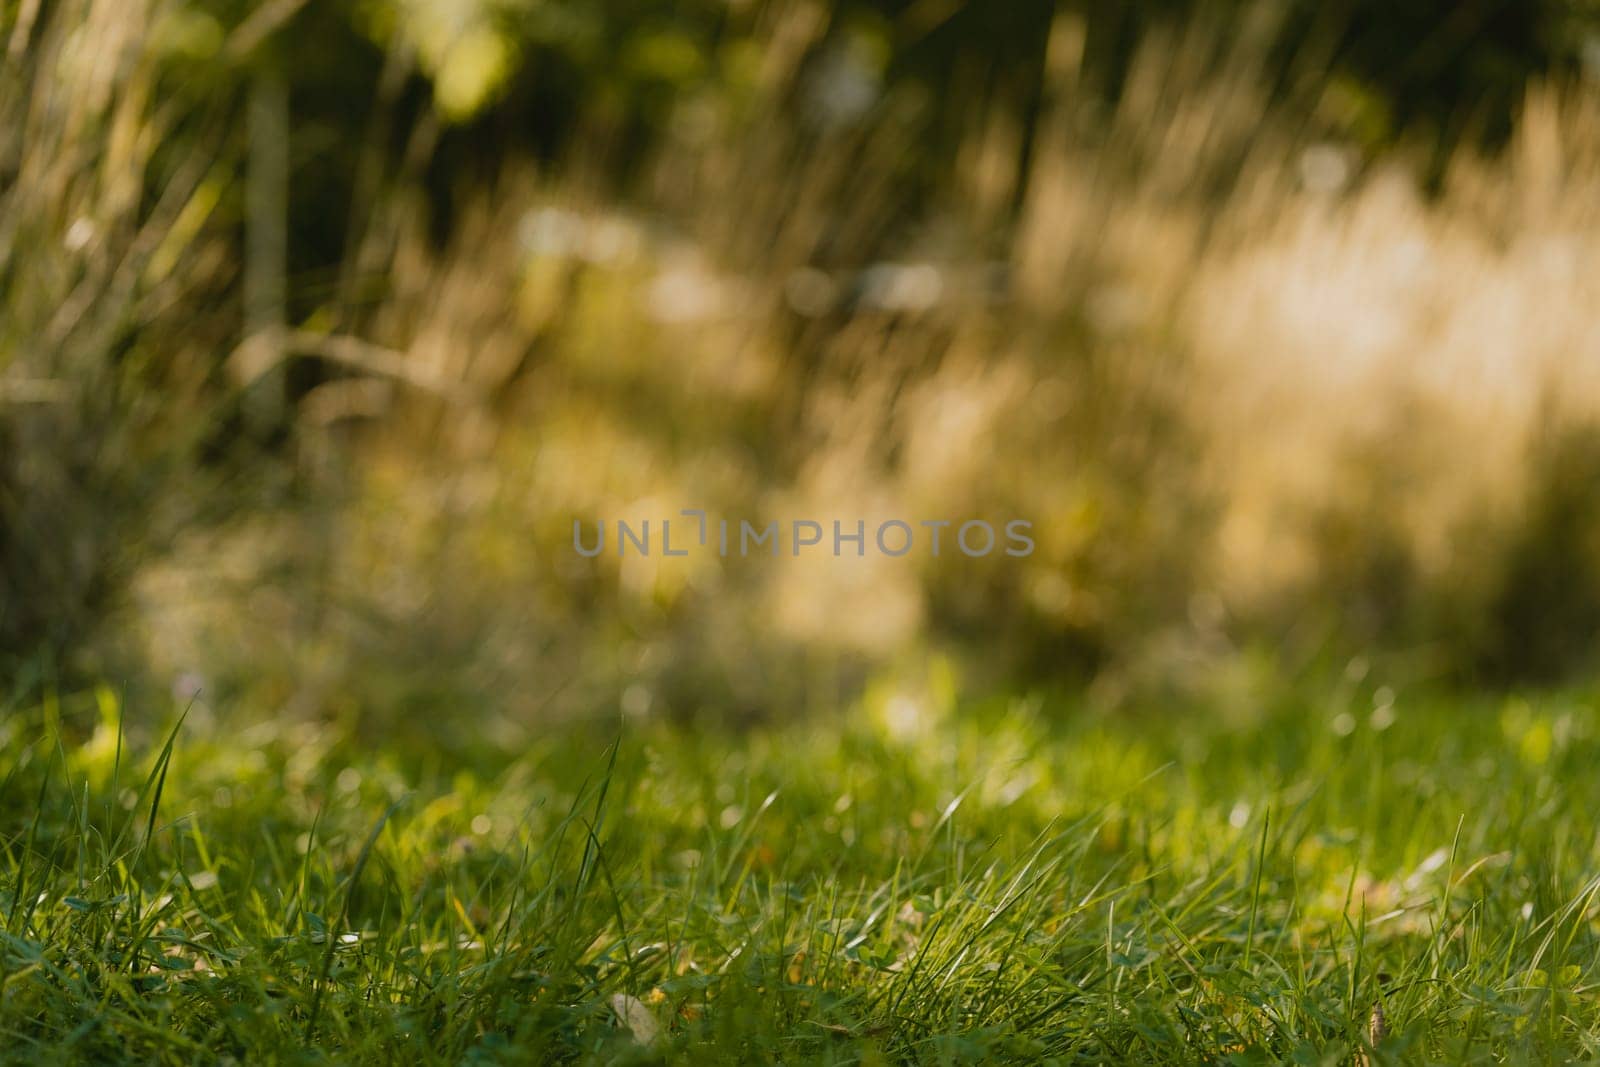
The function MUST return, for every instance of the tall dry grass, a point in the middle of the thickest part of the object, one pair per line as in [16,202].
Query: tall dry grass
[1248,383]
[110,284]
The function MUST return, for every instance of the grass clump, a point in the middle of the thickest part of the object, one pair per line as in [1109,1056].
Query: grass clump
[898,885]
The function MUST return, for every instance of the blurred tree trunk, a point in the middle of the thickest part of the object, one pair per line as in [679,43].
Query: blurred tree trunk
[267,246]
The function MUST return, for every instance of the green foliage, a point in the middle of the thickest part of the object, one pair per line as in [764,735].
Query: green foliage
[913,881]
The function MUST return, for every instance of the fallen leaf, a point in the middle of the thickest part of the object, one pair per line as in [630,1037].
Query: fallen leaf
[632,1013]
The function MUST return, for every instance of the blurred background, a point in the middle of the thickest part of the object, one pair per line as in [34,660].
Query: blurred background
[321,322]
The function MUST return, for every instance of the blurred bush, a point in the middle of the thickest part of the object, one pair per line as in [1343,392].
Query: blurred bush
[323,322]
[1544,608]
[113,306]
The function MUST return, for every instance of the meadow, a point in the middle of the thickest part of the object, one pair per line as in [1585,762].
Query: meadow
[911,881]
[324,327]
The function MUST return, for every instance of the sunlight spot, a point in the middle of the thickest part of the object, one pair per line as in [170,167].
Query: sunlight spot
[187,687]
[1537,742]
[1344,724]
[79,234]
[1239,815]
[1382,709]
[1435,860]
[349,780]
[901,287]
[686,293]
[903,716]
[1324,168]
[550,232]
[845,84]
[636,701]
[482,824]
[1014,789]
[609,241]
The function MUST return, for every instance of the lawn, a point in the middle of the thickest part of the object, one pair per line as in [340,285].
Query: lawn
[917,878]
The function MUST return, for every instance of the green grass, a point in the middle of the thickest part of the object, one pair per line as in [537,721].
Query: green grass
[909,882]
